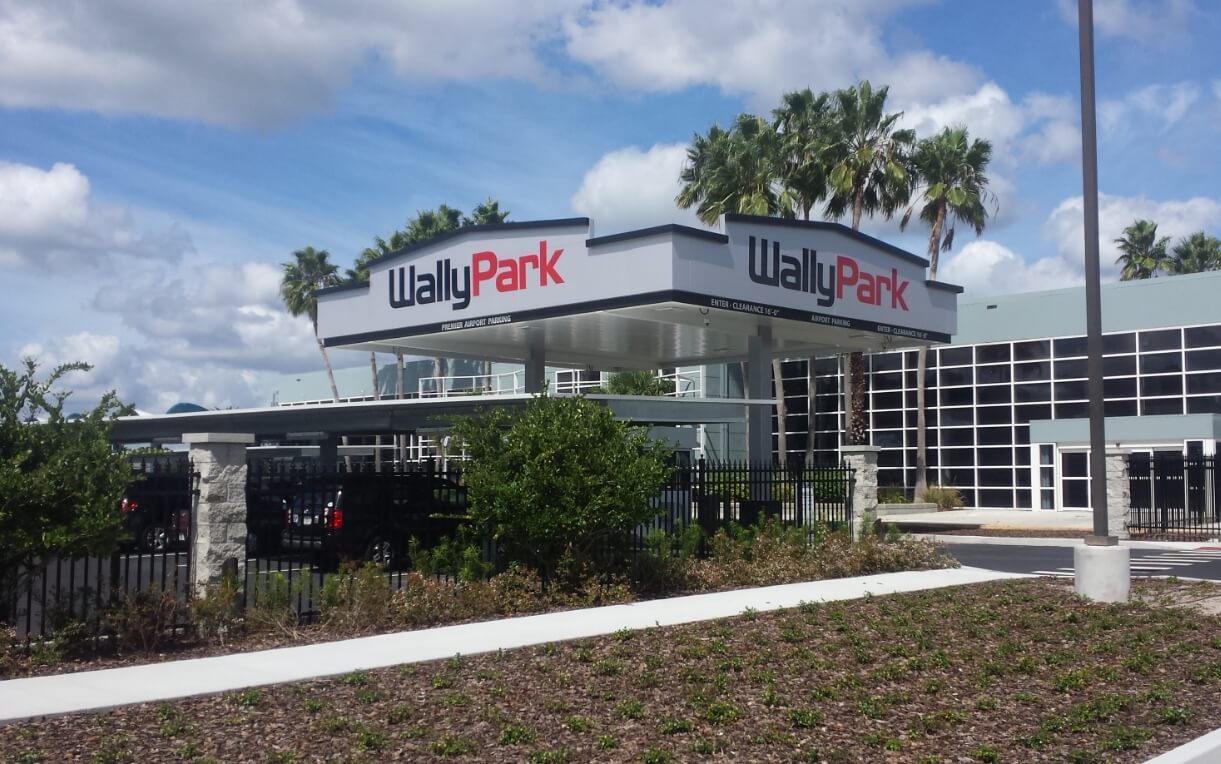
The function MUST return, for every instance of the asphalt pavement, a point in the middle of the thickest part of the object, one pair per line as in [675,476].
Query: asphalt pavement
[1058,560]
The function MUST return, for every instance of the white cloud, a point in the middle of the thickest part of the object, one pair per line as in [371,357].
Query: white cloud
[757,49]
[986,268]
[630,188]
[50,220]
[1217,89]
[1141,20]
[242,63]
[1175,219]
[1056,133]
[1153,108]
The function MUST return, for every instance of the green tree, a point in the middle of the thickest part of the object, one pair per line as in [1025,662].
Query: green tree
[740,171]
[487,213]
[60,479]
[868,174]
[1196,253]
[561,479]
[637,383]
[308,271]
[952,172]
[1141,252]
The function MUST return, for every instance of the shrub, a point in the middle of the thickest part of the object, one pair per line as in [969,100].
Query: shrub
[216,613]
[945,497]
[357,600]
[141,620]
[269,607]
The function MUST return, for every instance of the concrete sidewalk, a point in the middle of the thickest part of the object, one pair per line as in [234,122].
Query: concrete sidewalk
[97,690]
[1010,519]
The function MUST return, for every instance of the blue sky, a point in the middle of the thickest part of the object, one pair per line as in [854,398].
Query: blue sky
[157,161]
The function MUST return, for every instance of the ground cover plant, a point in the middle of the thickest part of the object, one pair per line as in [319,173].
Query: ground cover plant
[1013,671]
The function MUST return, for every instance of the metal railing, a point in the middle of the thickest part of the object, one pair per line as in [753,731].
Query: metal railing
[1174,496]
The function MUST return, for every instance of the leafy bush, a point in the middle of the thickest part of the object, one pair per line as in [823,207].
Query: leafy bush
[356,600]
[461,558]
[637,383]
[269,607]
[216,613]
[945,497]
[892,496]
[141,620]
[561,479]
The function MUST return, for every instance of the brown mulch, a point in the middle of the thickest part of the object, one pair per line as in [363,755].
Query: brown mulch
[1013,671]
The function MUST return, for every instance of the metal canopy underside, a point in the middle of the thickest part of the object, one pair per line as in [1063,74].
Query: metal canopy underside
[655,335]
[412,415]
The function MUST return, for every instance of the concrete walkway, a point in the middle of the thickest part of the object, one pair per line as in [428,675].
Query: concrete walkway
[1023,519]
[97,690]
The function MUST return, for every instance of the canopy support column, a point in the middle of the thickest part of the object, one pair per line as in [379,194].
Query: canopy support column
[536,360]
[758,387]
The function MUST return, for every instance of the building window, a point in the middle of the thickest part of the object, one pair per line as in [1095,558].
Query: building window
[1166,339]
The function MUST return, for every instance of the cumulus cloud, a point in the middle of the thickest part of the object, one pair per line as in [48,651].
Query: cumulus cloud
[1175,218]
[1154,108]
[49,220]
[986,268]
[630,188]
[1143,20]
[757,49]
[242,63]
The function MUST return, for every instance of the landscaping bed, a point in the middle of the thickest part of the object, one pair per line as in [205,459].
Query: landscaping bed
[1013,671]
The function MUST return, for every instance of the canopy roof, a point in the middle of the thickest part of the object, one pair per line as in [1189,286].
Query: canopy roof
[647,299]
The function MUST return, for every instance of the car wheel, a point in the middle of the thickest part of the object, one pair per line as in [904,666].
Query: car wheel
[382,553]
[155,538]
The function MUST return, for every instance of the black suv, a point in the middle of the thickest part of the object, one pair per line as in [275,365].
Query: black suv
[156,507]
[372,516]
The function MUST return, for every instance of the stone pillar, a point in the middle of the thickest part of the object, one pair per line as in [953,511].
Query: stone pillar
[218,517]
[1119,494]
[536,360]
[759,387]
[864,461]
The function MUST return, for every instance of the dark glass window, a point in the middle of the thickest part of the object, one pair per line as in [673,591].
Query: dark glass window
[1204,383]
[954,356]
[960,376]
[1202,336]
[1205,404]
[886,362]
[890,458]
[1071,369]
[1076,493]
[888,419]
[911,359]
[890,381]
[1203,360]
[1032,372]
[890,478]
[957,417]
[958,436]
[1161,363]
[995,436]
[827,386]
[1021,434]
[995,478]
[930,417]
[930,378]
[957,457]
[1024,414]
[1172,385]
[1036,350]
[1022,499]
[1067,347]
[957,396]
[826,366]
[1072,410]
[1075,464]
[957,476]
[994,415]
[992,353]
[1119,408]
[1032,393]
[991,497]
[887,400]
[1119,388]
[1166,339]
[930,437]
[968,497]
[1118,343]
[888,439]
[826,423]
[994,394]
[996,457]
[991,374]
[1161,406]
[1071,391]
[1021,457]
[1118,365]
[910,398]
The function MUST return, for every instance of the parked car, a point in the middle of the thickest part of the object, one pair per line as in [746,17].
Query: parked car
[153,527]
[372,516]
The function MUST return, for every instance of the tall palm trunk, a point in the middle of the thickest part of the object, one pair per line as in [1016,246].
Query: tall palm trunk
[855,424]
[934,246]
[326,364]
[399,383]
[377,396]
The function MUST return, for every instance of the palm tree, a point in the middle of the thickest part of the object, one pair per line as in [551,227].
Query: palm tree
[1196,253]
[868,174]
[486,213]
[308,271]
[806,128]
[951,170]
[1142,253]
[739,170]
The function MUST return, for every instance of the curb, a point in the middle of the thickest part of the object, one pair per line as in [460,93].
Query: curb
[1205,749]
[1067,542]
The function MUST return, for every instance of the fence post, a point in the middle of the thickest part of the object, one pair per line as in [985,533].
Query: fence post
[218,512]
[864,461]
[1119,494]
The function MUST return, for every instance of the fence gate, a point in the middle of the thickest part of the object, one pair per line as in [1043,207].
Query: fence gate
[1174,496]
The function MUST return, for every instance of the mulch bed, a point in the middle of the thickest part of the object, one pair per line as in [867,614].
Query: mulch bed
[1013,671]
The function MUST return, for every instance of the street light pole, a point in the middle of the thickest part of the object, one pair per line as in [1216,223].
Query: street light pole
[1102,566]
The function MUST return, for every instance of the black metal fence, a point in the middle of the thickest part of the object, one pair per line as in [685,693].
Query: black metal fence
[155,560]
[1174,496]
